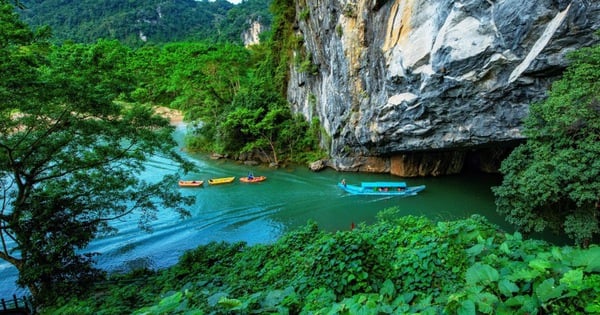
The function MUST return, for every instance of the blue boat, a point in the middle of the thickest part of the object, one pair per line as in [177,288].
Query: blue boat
[381,188]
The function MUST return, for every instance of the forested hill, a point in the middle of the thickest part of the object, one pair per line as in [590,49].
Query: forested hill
[145,21]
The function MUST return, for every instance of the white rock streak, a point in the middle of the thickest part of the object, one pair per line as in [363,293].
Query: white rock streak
[540,44]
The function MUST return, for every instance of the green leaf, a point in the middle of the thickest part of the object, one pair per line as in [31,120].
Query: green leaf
[475,250]
[573,279]
[351,277]
[526,304]
[229,303]
[540,264]
[593,308]
[467,307]
[507,287]
[481,273]
[171,302]
[504,248]
[485,302]
[588,258]
[546,290]
[387,289]
[215,298]
[524,274]
[556,253]
[273,298]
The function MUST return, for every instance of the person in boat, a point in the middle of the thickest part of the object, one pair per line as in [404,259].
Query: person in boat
[250,176]
[344,182]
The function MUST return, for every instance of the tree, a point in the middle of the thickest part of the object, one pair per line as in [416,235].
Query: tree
[553,179]
[70,156]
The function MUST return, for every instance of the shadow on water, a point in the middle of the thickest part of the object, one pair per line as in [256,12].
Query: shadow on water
[262,212]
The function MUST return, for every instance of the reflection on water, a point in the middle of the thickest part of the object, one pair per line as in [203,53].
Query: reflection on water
[262,212]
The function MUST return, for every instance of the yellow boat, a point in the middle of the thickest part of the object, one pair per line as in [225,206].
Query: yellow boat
[222,180]
[191,183]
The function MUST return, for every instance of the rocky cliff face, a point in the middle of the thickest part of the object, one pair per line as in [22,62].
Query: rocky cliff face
[413,87]
[251,36]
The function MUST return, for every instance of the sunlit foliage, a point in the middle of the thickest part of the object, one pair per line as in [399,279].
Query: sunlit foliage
[400,265]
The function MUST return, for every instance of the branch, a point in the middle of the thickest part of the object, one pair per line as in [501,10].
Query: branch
[4,253]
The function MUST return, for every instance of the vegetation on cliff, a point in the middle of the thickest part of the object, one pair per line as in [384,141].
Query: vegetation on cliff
[400,265]
[553,180]
[137,23]
[235,95]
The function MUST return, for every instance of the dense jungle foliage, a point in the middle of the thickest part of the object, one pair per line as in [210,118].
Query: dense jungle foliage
[78,124]
[67,95]
[135,23]
[400,265]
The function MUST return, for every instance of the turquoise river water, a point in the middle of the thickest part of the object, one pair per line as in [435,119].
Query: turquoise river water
[262,212]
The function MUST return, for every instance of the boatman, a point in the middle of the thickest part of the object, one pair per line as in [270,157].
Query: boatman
[344,182]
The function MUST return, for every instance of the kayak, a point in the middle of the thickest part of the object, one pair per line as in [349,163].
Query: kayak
[254,179]
[222,180]
[191,183]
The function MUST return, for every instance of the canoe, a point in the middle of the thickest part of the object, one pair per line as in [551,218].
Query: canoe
[222,180]
[191,183]
[255,179]
[381,188]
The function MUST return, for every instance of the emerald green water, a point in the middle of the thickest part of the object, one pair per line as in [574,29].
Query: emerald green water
[262,212]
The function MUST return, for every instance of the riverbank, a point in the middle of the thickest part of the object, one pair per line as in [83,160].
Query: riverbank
[455,266]
[174,116]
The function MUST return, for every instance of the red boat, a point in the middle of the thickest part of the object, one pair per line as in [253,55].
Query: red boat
[253,179]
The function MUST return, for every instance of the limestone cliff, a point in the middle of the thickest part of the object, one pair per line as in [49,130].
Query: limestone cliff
[251,36]
[411,86]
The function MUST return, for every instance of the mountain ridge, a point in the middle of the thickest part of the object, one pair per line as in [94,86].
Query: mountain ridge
[136,23]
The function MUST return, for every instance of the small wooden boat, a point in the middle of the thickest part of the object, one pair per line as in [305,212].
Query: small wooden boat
[254,179]
[191,183]
[222,180]
[381,188]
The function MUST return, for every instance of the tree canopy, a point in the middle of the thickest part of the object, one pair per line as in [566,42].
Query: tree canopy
[70,155]
[553,180]
[136,23]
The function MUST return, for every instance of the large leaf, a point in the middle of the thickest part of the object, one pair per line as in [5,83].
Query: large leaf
[507,287]
[540,264]
[526,304]
[573,279]
[587,258]
[481,273]
[486,302]
[475,250]
[467,307]
[526,274]
[388,289]
[547,290]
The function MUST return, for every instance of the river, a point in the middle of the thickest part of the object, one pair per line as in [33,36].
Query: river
[262,212]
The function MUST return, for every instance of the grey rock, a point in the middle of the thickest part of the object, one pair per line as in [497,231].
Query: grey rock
[404,76]
[317,165]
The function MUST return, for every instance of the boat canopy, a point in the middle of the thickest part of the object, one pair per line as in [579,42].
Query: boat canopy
[383,184]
